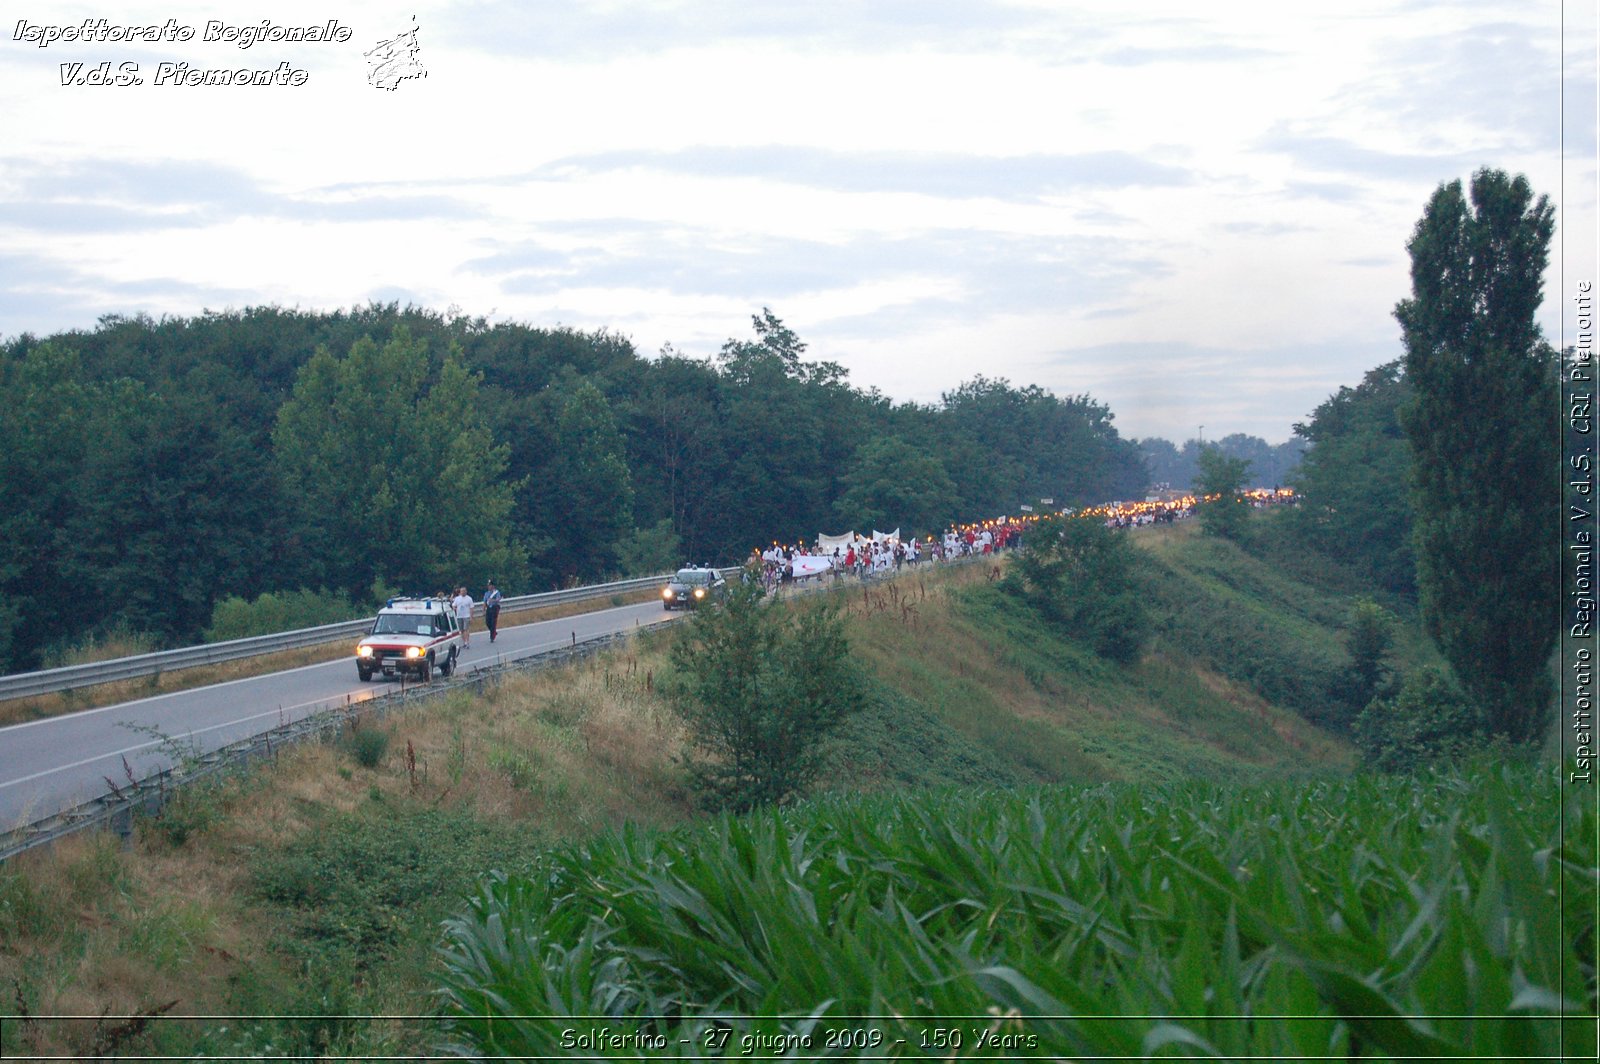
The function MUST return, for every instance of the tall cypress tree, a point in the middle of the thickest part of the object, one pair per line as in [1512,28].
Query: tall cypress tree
[1483,436]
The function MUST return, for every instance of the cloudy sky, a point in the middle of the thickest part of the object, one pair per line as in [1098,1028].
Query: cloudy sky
[1195,213]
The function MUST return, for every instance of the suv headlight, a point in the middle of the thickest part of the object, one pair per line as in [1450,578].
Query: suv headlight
[666,592]
[363,652]
[413,652]
[699,592]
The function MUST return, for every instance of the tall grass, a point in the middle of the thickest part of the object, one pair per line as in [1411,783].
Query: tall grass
[1384,917]
[981,667]
[118,641]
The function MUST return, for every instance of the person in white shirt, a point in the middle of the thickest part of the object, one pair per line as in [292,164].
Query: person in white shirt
[463,605]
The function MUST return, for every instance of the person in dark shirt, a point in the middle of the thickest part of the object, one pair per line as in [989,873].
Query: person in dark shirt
[491,610]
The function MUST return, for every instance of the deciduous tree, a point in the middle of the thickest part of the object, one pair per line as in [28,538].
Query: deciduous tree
[1223,476]
[1354,482]
[587,499]
[761,687]
[892,484]
[396,475]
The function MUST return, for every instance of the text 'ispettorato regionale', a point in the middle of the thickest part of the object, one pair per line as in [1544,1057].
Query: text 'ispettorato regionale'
[214,31]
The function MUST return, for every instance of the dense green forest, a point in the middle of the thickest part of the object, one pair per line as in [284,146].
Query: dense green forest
[156,467]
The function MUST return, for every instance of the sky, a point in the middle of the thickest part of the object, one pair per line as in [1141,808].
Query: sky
[1196,214]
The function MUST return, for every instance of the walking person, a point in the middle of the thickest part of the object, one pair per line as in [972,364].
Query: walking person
[463,604]
[491,610]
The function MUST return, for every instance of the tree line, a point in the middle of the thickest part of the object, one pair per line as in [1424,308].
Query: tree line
[155,467]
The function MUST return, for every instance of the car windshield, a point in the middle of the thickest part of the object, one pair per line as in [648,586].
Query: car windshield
[694,576]
[404,624]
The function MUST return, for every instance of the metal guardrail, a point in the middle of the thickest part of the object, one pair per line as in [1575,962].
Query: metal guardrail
[148,795]
[70,677]
[118,808]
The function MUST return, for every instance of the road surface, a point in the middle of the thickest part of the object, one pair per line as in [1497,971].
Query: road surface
[49,766]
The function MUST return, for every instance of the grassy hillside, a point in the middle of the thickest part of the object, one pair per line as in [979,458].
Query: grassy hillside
[1242,662]
[315,885]
[978,661]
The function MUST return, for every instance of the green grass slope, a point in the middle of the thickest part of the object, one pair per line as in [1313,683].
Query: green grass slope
[974,686]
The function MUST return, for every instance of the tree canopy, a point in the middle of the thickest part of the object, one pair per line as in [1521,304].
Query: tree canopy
[273,450]
[1354,481]
[1224,476]
[397,478]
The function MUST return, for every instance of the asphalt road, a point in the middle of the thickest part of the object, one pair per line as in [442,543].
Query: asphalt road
[48,766]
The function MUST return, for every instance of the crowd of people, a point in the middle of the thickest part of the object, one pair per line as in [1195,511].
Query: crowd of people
[1178,507]
[868,556]
[871,556]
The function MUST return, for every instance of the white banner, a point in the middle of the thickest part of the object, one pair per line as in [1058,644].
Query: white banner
[825,544]
[810,565]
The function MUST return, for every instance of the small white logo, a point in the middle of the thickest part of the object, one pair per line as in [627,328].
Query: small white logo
[395,60]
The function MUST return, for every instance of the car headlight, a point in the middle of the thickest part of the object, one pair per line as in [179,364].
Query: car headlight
[699,592]
[413,652]
[363,652]
[666,592]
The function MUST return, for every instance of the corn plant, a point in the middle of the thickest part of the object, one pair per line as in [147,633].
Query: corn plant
[1363,918]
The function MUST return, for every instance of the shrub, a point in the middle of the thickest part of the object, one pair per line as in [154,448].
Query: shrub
[277,611]
[189,811]
[361,882]
[760,687]
[367,746]
[1080,575]
[1430,720]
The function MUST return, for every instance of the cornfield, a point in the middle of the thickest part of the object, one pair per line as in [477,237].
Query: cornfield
[1448,916]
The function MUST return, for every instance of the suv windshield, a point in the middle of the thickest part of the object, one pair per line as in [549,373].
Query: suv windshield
[694,576]
[405,624]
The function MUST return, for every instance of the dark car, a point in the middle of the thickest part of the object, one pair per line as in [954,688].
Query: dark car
[690,587]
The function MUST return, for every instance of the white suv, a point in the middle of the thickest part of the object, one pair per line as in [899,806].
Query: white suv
[411,635]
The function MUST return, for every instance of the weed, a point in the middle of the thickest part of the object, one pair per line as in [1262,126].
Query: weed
[360,882]
[368,745]
[189,811]
[118,641]
[455,763]
[516,765]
